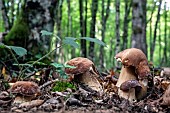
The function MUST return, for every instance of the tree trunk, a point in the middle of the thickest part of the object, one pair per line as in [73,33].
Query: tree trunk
[139,25]
[104,20]
[117,48]
[155,31]
[94,8]
[34,16]
[125,23]
[160,47]
[4,15]
[82,29]
[165,36]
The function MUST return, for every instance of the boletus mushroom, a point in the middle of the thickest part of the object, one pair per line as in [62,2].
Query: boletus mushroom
[24,91]
[135,67]
[84,72]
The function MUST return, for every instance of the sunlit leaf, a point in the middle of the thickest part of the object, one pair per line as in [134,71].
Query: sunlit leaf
[95,40]
[71,41]
[18,50]
[69,66]
[56,65]
[44,32]
[2,45]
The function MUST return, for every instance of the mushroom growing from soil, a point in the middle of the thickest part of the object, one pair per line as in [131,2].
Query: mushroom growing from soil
[135,67]
[85,72]
[24,91]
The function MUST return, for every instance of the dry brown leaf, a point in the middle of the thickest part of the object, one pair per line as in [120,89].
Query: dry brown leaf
[31,104]
[166,97]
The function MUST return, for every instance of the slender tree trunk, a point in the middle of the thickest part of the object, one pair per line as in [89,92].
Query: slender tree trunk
[94,8]
[104,20]
[160,47]
[150,28]
[139,25]
[4,15]
[155,31]
[125,23]
[82,29]
[117,48]
[165,36]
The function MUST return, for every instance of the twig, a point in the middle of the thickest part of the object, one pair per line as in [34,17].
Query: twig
[48,83]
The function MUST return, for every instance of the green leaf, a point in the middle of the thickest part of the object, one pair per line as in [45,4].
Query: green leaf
[69,66]
[71,41]
[56,65]
[18,50]
[94,40]
[2,45]
[44,32]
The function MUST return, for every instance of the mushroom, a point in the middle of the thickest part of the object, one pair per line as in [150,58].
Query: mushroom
[24,91]
[130,88]
[135,67]
[85,72]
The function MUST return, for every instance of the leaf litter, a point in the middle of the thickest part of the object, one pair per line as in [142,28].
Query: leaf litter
[85,99]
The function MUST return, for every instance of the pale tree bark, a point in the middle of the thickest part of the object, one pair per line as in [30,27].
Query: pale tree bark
[94,8]
[126,23]
[155,31]
[139,25]
[103,22]
[117,29]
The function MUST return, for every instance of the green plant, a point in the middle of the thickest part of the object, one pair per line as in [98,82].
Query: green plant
[60,69]
[73,41]
[62,86]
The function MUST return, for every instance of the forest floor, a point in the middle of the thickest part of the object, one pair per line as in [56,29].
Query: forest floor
[84,100]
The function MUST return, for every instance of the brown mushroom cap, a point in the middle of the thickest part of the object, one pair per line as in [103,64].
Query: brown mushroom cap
[25,88]
[127,85]
[135,57]
[82,65]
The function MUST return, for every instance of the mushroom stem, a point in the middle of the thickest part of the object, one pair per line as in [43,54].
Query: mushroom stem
[143,91]
[90,80]
[127,73]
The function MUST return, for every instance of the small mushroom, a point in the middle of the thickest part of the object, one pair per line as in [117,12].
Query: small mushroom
[24,91]
[130,88]
[135,67]
[85,72]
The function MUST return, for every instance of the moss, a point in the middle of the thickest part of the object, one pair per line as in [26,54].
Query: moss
[19,32]
[62,86]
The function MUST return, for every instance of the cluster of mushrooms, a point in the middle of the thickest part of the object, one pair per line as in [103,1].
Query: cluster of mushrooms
[132,82]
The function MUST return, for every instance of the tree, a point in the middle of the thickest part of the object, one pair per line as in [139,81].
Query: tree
[139,25]
[155,31]
[83,21]
[35,15]
[103,22]
[94,8]
[125,23]
[117,29]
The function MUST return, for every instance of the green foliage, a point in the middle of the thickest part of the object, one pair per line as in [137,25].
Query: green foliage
[18,50]
[95,40]
[72,41]
[62,86]
[60,69]
[18,34]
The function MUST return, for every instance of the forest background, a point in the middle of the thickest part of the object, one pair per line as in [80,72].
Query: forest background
[120,24]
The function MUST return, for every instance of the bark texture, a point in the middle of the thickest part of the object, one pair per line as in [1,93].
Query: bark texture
[139,25]
[94,8]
